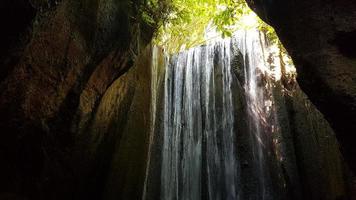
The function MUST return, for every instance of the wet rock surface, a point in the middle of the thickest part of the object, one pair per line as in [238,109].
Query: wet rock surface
[320,35]
[64,56]
[303,156]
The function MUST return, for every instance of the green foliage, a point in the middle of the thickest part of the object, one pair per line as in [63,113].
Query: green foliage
[183,24]
[156,12]
[227,18]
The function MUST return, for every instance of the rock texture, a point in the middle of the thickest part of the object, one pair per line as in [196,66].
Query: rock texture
[60,136]
[320,36]
[304,160]
[309,141]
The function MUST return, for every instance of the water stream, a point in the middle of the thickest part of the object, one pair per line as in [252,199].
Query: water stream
[200,158]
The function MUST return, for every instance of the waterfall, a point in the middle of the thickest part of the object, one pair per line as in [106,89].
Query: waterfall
[261,116]
[199,141]
[200,154]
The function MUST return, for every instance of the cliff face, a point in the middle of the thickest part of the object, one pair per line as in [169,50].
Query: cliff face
[70,53]
[320,36]
[310,142]
[302,153]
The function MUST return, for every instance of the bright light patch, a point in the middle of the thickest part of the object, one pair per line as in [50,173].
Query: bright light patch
[250,20]
[221,7]
[211,32]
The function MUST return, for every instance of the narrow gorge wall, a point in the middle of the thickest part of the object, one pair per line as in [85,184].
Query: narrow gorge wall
[57,63]
[320,37]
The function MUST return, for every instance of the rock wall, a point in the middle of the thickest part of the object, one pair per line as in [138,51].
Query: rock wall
[119,134]
[70,54]
[304,159]
[312,163]
[320,37]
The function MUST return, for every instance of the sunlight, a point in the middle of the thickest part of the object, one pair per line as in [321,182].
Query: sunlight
[193,23]
[249,21]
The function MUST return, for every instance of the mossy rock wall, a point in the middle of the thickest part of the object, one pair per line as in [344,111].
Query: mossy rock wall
[64,56]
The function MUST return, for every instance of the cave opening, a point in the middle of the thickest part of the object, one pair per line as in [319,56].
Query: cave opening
[177,99]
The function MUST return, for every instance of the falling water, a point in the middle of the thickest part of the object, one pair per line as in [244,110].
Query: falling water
[260,104]
[199,142]
[199,148]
